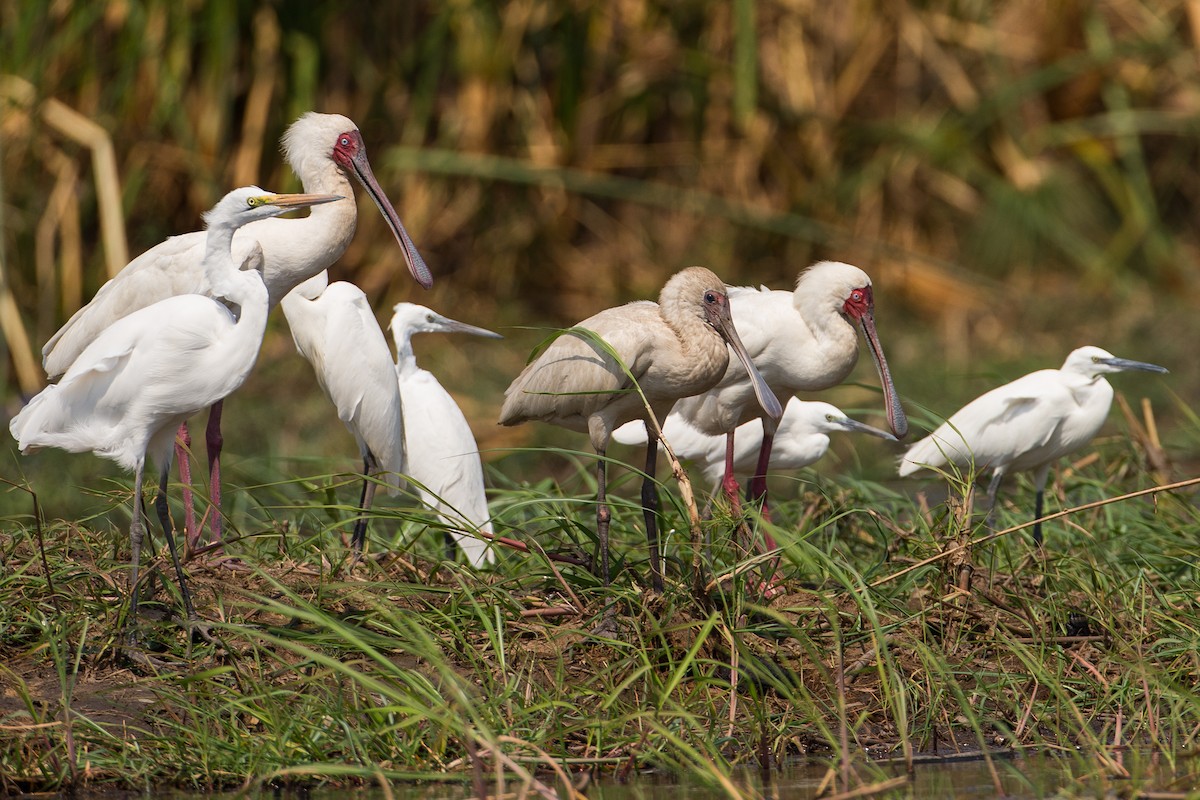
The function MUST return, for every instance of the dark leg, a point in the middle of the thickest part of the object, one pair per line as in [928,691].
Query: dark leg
[1037,514]
[164,517]
[183,454]
[603,515]
[137,532]
[650,510]
[1039,480]
[758,484]
[993,490]
[359,538]
[213,441]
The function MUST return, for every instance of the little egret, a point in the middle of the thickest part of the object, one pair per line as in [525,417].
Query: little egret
[125,395]
[443,457]
[802,438]
[1027,424]
[674,348]
[334,327]
[325,151]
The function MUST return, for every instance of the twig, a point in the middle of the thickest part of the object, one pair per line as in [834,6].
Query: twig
[1066,512]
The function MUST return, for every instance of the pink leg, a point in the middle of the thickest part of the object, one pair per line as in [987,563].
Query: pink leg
[183,455]
[213,441]
[729,483]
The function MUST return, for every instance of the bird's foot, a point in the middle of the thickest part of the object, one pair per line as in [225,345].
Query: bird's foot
[609,626]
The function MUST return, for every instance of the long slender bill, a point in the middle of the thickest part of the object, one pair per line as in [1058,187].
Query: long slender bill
[301,200]
[1141,366]
[454,326]
[416,264]
[897,420]
[766,398]
[855,426]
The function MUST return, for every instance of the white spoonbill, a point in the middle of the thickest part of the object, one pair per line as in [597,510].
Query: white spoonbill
[805,340]
[1027,424]
[125,395]
[673,348]
[443,457]
[334,327]
[324,150]
[802,438]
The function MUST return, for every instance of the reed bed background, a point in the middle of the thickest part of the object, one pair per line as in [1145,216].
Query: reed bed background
[1018,177]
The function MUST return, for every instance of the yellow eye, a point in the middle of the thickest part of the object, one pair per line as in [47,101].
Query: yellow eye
[254,201]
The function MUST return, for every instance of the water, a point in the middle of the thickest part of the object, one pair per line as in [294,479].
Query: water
[1021,777]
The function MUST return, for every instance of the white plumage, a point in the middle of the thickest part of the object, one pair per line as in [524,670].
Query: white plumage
[335,329]
[1027,424]
[126,393]
[802,439]
[804,340]
[324,150]
[443,455]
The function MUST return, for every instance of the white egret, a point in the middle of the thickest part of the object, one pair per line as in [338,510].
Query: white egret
[443,455]
[674,348]
[128,391]
[325,151]
[802,438]
[334,327]
[1027,424]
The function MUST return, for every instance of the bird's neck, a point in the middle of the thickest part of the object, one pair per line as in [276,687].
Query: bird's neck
[406,359]
[242,290]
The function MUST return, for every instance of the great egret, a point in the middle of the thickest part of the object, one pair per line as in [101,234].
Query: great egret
[128,391]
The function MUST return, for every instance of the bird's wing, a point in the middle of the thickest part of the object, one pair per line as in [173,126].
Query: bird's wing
[173,267]
[996,427]
[574,375]
[338,334]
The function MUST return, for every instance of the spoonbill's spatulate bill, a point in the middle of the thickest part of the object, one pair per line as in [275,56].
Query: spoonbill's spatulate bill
[801,341]
[325,151]
[801,439]
[124,396]
[335,329]
[1027,424]
[674,348]
[443,456]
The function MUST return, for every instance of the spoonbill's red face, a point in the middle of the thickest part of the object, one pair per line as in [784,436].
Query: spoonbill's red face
[346,149]
[860,302]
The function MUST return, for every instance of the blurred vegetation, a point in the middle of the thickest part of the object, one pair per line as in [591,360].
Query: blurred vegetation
[1018,177]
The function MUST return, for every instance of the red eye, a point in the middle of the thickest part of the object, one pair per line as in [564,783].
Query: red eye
[856,296]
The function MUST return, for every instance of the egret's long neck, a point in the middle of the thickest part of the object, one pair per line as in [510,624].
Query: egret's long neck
[406,360]
[243,289]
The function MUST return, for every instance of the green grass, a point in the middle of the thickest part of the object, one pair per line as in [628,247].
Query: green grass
[412,668]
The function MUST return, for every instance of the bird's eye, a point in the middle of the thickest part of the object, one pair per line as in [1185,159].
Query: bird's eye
[429,317]
[254,201]
[856,295]
[830,418]
[1096,359]
[710,297]
[345,141]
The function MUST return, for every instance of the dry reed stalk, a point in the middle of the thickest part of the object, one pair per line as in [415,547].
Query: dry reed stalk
[78,128]
[60,218]
[248,159]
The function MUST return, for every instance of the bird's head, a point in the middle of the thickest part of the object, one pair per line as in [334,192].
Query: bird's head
[1095,361]
[250,203]
[317,138]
